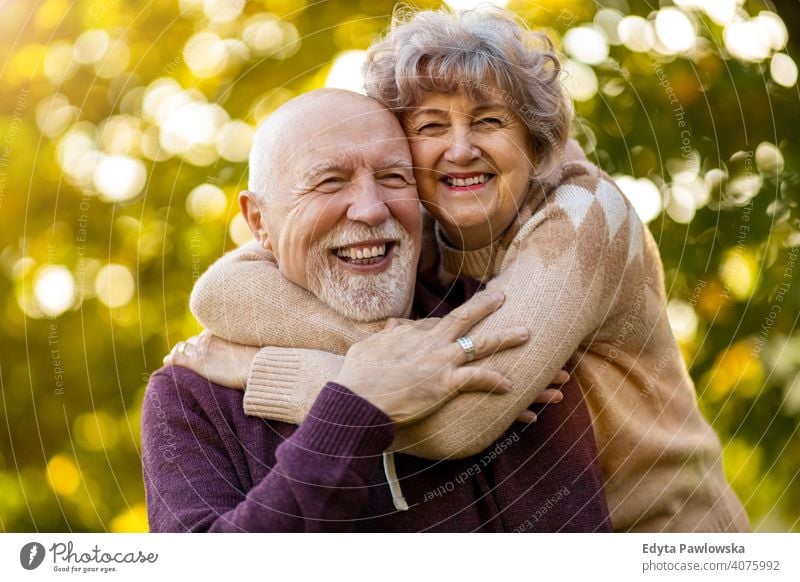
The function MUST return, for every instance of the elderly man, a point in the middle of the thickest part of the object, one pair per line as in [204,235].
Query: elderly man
[209,467]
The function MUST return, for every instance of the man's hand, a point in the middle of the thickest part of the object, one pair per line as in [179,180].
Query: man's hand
[220,361]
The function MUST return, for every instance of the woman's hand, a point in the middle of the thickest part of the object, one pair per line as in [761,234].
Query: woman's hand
[551,395]
[410,369]
[220,361]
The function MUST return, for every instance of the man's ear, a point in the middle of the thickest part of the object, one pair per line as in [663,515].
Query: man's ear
[251,211]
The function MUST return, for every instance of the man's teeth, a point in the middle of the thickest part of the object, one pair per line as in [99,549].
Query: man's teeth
[355,253]
[482,179]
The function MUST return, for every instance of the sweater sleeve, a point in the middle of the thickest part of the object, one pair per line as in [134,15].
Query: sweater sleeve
[244,298]
[192,460]
[561,277]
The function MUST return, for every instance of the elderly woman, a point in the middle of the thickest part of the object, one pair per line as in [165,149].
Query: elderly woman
[518,209]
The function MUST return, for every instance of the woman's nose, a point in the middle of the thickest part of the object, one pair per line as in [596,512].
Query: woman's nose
[461,150]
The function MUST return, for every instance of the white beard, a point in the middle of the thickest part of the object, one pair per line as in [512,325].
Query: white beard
[363,297]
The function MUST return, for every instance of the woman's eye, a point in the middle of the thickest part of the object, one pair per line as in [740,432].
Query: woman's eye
[491,121]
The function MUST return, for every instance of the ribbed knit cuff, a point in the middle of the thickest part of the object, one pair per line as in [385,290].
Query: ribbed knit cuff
[476,264]
[274,376]
[343,424]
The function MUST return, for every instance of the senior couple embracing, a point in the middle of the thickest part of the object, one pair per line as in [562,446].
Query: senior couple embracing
[371,363]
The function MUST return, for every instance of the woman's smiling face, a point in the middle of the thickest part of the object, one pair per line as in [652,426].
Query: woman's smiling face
[472,164]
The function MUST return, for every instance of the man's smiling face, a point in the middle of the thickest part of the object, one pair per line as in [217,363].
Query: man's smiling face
[343,218]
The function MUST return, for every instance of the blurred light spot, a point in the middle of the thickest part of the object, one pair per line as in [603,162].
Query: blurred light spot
[114,62]
[96,431]
[636,33]
[470,4]
[119,178]
[643,194]
[346,71]
[77,154]
[220,11]
[239,231]
[206,202]
[736,368]
[54,289]
[91,46]
[742,463]
[721,11]
[63,475]
[680,204]
[682,319]
[161,98]
[59,65]
[54,114]
[192,124]
[783,70]
[675,30]
[133,520]
[201,155]
[114,285]
[747,41]
[263,33]
[586,45]
[191,7]
[739,273]
[744,188]
[150,146]
[769,159]
[205,54]
[607,21]
[234,141]
[23,267]
[579,80]
[773,28]
[120,134]
[51,13]
[684,169]
[791,391]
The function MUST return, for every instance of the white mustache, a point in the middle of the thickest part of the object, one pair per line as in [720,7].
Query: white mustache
[351,234]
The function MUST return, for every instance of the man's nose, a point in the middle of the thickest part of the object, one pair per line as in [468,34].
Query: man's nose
[460,149]
[368,204]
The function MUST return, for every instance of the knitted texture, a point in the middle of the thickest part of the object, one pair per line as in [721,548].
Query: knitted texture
[580,270]
[209,467]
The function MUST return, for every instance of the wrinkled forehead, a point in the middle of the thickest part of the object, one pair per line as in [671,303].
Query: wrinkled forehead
[365,138]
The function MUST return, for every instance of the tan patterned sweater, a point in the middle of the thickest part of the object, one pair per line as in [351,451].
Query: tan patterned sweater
[584,275]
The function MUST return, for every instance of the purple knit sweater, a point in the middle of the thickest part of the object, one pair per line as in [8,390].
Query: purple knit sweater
[209,467]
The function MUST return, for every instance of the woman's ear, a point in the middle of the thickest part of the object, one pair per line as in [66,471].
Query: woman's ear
[253,216]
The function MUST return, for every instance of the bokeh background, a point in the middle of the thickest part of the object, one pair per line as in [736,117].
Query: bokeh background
[124,133]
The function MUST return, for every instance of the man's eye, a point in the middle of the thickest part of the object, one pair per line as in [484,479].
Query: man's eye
[395,180]
[332,183]
[430,128]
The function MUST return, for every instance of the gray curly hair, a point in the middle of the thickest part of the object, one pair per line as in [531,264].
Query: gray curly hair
[445,51]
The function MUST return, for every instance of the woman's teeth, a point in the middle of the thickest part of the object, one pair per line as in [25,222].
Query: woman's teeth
[362,254]
[482,179]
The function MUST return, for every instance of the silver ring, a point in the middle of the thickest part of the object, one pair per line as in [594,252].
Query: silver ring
[468,346]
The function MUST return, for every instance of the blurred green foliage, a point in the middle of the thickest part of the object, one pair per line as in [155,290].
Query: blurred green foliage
[97,167]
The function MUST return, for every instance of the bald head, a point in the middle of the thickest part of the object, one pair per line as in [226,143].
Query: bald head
[298,123]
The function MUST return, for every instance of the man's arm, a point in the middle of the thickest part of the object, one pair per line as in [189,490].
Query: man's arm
[194,464]
[244,298]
